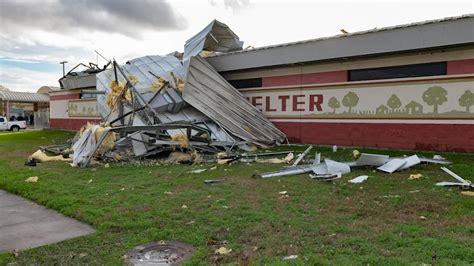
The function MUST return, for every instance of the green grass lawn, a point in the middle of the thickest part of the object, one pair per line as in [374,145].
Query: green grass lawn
[376,222]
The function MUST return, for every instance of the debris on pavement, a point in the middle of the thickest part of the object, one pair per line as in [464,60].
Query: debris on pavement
[32,179]
[359,179]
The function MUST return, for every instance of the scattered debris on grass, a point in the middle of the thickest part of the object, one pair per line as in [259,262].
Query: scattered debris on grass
[290,257]
[197,171]
[467,193]
[415,176]
[330,170]
[359,179]
[40,157]
[31,179]
[222,251]
[211,181]
[463,183]
[355,153]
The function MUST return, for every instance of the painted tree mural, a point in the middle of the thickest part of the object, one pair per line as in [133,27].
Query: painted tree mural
[435,96]
[467,100]
[334,104]
[350,100]
[394,102]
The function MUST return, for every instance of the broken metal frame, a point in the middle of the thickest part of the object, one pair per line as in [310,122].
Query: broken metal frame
[301,156]
[55,149]
[463,182]
[128,129]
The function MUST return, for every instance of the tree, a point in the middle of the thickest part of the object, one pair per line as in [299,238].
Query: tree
[3,88]
[394,102]
[334,104]
[467,100]
[350,100]
[435,96]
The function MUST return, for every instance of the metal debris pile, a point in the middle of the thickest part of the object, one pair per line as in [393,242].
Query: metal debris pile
[331,170]
[159,104]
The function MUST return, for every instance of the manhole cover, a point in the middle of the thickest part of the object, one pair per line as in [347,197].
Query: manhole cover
[160,253]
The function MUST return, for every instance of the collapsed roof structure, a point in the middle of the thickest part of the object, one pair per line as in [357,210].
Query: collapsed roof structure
[157,102]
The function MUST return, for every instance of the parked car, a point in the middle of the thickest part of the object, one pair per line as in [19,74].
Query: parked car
[11,125]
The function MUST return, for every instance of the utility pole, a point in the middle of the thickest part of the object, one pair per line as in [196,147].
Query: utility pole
[64,69]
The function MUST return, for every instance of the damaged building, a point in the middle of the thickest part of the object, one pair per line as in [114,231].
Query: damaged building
[389,87]
[329,90]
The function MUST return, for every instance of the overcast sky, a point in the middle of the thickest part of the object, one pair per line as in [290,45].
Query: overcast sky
[35,35]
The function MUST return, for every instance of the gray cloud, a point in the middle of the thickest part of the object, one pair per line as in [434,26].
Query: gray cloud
[36,52]
[66,16]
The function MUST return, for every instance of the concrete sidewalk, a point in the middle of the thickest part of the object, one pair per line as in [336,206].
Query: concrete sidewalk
[25,224]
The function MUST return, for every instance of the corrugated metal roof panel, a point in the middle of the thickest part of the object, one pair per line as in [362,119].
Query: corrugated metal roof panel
[26,97]
[216,36]
[210,93]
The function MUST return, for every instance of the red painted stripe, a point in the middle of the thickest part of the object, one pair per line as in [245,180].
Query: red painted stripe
[461,67]
[355,84]
[436,137]
[310,78]
[70,123]
[64,97]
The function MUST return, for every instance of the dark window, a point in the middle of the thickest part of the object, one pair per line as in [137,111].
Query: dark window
[2,119]
[246,83]
[407,71]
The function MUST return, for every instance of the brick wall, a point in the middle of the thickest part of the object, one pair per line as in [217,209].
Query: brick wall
[438,137]
[70,124]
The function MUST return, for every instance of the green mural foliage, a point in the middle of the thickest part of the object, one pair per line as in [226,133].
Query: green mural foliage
[350,100]
[334,104]
[394,102]
[467,100]
[435,96]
